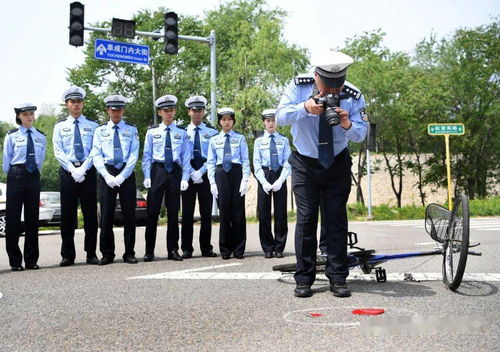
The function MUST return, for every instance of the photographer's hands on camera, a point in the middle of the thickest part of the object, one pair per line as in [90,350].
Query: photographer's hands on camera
[315,108]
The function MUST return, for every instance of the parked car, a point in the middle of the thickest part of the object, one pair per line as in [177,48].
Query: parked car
[52,200]
[140,211]
[44,217]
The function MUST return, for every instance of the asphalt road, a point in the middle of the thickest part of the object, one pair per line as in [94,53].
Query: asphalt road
[207,304]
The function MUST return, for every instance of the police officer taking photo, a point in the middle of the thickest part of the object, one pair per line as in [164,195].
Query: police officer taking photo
[199,135]
[23,155]
[72,140]
[166,167]
[326,113]
[270,160]
[115,152]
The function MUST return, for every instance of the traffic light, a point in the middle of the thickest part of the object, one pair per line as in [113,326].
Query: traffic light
[76,23]
[171,33]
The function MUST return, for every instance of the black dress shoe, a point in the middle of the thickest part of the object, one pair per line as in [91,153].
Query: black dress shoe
[105,261]
[66,262]
[239,256]
[92,260]
[210,254]
[149,257]
[280,255]
[32,267]
[187,255]
[303,290]
[268,255]
[130,259]
[340,289]
[16,268]
[174,255]
[226,256]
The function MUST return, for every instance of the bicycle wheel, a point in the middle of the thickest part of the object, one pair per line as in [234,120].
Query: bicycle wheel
[456,244]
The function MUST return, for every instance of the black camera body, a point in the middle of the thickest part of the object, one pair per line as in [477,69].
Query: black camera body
[330,102]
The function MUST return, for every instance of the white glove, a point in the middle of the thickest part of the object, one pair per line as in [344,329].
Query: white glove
[243,188]
[200,180]
[184,185]
[267,187]
[119,180]
[277,185]
[78,172]
[196,176]
[147,183]
[110,180]
[214,191]
[80,180]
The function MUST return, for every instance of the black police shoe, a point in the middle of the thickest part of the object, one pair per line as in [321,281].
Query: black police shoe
[340,289]
[239,256]
[187,255]
[16,268]
[130,259]
[148,257]
[225,256]
[105,261]
[66,262]
[280,255]
[210,254]
[303,290]
[174,255]
[92,260]
[268,254]
[32,267]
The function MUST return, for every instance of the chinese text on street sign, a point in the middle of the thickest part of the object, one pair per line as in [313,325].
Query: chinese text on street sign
[123,52]
[438,129]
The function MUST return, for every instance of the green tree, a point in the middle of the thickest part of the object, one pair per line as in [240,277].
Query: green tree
[469,64]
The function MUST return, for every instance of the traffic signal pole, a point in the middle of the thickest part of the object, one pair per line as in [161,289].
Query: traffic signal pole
[210,40]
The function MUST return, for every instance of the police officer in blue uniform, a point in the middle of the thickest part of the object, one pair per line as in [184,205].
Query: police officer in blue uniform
[72,141]
[115,152]
[271,168]
[166,167]
[228,170]
[23,155]
[325,113]
[199,135]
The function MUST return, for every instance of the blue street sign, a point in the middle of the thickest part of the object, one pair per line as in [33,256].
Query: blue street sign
[119,51]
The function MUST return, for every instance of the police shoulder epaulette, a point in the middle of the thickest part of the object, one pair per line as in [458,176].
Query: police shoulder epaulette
[303,80]
[62,119]
[13,130]
[152,126]
[103,124]
[351,91]
[210,126]
[40,131]
[129,123]
[181,127]
[236,132]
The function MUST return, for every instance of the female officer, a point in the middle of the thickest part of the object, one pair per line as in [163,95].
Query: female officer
[23,156]
[228,170]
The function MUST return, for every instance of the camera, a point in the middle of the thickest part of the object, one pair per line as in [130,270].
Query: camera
[330,102]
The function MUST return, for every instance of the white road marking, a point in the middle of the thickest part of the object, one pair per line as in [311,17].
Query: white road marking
[1,295]
[425,243]
[202,274]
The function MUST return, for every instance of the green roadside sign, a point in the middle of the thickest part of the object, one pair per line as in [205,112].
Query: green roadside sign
[440,129]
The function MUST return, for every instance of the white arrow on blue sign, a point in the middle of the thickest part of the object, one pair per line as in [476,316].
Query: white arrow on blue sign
[119,51]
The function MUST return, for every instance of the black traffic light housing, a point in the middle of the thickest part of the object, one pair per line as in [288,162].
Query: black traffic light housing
[171,33]
[76,23]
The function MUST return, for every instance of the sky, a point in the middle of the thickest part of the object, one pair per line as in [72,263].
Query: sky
[35,54]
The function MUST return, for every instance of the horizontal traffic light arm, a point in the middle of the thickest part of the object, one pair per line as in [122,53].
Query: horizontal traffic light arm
[153,35]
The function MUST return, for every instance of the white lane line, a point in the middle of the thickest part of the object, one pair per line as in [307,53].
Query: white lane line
[193,274]
[1,295]
[425,243]
[498,229]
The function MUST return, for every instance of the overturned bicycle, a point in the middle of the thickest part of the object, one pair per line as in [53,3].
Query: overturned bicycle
[450,230]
